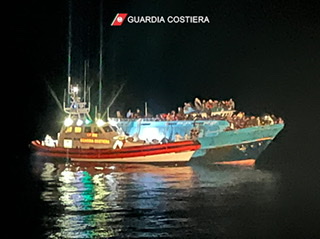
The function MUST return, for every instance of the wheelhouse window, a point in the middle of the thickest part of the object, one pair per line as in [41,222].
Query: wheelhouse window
[87,129]
[68,130]
[108,129]
[77,129]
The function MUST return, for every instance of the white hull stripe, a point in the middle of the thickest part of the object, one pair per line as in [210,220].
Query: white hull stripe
[169,157]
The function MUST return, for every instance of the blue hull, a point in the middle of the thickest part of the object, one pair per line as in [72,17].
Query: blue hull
[217,144]
[233,153]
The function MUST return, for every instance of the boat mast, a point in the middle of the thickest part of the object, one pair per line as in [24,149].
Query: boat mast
[77,109]
[100,65]
[69,49]
[86,64]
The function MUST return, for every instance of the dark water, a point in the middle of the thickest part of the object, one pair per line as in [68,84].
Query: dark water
[83,200]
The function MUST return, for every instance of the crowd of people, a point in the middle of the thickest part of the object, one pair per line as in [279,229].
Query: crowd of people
[208,106]
[240,120]
[210,109]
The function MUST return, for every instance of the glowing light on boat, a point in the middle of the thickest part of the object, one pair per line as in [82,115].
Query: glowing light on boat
[75,89]
[68,121]
[100,122]
[112,122]
[88,121]
[151,133]
[79,122]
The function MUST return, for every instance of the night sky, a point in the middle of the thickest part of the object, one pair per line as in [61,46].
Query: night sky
[263,54]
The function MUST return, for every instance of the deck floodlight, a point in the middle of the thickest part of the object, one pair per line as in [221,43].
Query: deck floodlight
[79,122]
[100,122]
[68,121]
[75,89]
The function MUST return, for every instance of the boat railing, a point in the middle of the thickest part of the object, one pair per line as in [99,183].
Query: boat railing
[204,115]
[79,108]
[115,119]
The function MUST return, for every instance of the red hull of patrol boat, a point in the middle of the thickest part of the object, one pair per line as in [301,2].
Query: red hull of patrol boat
[180,151]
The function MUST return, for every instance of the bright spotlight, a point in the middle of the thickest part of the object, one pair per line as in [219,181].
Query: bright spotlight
[100,122]
[79,122]
[68,121]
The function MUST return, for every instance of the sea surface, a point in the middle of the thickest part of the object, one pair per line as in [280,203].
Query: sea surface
[99,200]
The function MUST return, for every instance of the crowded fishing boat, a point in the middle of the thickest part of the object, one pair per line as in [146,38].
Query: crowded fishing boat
[209,110]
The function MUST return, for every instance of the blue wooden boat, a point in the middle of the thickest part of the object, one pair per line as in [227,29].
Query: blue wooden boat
[218,142]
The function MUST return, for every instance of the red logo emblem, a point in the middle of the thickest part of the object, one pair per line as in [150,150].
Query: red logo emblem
[119,19]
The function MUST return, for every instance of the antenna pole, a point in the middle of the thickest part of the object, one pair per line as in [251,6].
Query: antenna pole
[101,47]
[69,49]
[85,81]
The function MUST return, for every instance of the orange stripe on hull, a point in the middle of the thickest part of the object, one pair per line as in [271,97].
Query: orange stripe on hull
[265,138]
[246,162]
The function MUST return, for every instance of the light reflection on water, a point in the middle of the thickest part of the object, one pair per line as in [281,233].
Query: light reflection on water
[132,201]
